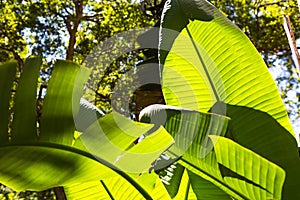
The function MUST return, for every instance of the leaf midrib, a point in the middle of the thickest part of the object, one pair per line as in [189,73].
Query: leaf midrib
[203,65]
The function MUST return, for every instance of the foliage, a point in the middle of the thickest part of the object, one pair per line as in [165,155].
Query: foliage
[213,153]
[44,27]
[6,193]
[229,78]
[40,27]
[262,21]
[42,155]
[71,30]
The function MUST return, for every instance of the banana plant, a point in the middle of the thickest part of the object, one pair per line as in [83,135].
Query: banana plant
[69,146]
[217,167]
[209,65]
[102,160]
[228,136]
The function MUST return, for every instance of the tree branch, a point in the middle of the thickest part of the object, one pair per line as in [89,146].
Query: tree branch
[92,18]
[268,4]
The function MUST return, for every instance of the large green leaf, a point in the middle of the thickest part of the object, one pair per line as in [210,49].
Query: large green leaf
[26,162]
[87,190]
[110,188]
[177,182]
[198,156]
[185,191]
[206,190]
[7,75]
[113,138]
[25,110]
[184,184]
[207,59]
[261,178]
[190,130]
[119,188]
[172,178]
[188,127]
[41,166]
[262,134]
[53,157]
[57,123]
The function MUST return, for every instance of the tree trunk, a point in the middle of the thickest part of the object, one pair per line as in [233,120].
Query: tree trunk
[72,42]
[72,24]
[60,193]
[292,42]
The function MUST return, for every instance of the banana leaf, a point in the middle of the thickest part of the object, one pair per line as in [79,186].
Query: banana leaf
[24,123]
[184,184]
[118,188]
[261,178]
[207,59]
[208,64]
[7,75]
[208,172]
[39,155]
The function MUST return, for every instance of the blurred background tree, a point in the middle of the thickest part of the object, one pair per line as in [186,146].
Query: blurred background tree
[72,29]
